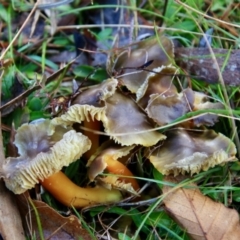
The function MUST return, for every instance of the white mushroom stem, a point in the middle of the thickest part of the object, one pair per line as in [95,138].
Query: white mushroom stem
[69,194]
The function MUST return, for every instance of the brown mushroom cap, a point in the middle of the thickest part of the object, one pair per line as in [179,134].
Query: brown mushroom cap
[200,102]
[165,109]
[157,82]
[127,124]
[89,104]
[95,94]
[159,49]
[192,151]
[44,150]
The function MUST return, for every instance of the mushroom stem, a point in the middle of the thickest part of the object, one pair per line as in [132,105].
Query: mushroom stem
[116,167]
[92,125]
[69,194]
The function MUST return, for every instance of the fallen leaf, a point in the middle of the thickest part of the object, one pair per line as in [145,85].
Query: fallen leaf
[199,215]
[54,225]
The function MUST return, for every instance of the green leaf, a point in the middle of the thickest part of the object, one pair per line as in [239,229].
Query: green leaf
[38,114]
[3,13]
[35,104]
[158,176]
[104,34]
[90,73]
[123,236]
[72,169]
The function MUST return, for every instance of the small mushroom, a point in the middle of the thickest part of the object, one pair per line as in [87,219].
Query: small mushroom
[199,101]
[158,49]
[108,158]
[192,151]
[44,150]
[157,82]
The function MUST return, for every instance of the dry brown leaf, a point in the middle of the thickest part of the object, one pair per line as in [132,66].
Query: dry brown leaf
[54,225]
[10,220]
[199,215]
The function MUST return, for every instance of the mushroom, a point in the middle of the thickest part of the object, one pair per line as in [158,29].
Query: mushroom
[123,120]
[199,101]
[108,157]
[129,59]
[157,82]
[192,151]
[166,107]
[44,149]
[88,107]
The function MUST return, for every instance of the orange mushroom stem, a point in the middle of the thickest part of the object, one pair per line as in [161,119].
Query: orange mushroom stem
[91,126]
[106,158]
[69,194]
[117,168]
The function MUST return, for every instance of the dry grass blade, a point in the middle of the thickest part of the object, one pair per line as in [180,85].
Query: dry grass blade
[199,215]
[19,31]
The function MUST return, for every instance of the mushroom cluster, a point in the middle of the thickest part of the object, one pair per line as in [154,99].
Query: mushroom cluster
[128,109]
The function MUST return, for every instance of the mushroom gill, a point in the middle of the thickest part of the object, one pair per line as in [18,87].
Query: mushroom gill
[192,151]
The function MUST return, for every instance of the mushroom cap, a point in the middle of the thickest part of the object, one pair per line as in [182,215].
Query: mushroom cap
[127,124]
[89,104]
[44,150]
[192,151]
[157,48]
[199,101]
[157,82]
[165,109]
[95,94]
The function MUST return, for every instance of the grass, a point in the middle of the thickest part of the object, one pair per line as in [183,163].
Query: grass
[185,22]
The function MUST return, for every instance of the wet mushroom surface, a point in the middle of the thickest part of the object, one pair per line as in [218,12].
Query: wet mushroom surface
[190,151]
